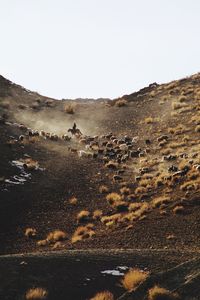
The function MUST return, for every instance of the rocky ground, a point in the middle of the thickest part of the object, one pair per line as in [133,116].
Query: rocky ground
[129,179]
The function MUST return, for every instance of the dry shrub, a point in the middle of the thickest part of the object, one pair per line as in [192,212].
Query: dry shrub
[111,220]
[178,105]
[30,232]
[148,120]
[97,214]
[197,128]
[42,243]
[159,293]
[140,190]
[36,294]
[22,106]
[175,145]
[179,209]
[189,186]
[125,190]
[113,197]
[5,105]
[103,189]
[73,201]
[69,109]
[83,216]
[83,232]
[180,129]
[157,202]
[106,295]
[56,235]
[121,103]
[196,119]
[144,182]
[120,206]
[133,278]
[134,206]
[182,98]
[166,151]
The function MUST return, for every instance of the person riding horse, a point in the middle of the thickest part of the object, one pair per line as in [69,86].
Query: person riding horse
[74,130]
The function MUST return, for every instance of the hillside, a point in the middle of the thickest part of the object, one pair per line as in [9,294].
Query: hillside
[130,180]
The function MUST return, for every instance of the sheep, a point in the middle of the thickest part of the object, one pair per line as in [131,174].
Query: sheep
[42,133]
[123,147]
[82,153]
[108,136]
[54,137]
[21,138]
[135,139]
[65,137]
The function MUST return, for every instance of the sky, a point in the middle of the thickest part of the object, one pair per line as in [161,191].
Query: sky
[97,48]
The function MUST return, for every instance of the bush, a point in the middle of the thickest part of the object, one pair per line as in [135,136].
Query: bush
[30,232]
[133,278]
[103,296]
[83,216]
[121,103]
[36,294]
[159,293]
[69,109]
[56,235]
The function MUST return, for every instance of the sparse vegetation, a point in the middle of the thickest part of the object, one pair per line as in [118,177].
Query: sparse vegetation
[36,294]
[121,103]
[83,216]
[159,293]
[106,295]
[113,198]
[69,109]
[103,189]
[30,232]
[83,232]
[56,235]
[133,278]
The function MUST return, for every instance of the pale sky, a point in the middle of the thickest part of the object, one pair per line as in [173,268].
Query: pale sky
[98,48]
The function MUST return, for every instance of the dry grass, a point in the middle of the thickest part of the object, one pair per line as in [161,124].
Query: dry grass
[97,214]
[103,189]
[180,129]
[69,109]
[106,295]
[197,128]
[30,232]
[195,119]
[113,197]
[189,186]
[73,201]
[56,235]
[133,278]
[148,120]
[159,293]
[157,202]
[178,105]
[42,243]
[36,294]
[111,220]
[83,216]
[140,190]
[179,209]
[125,190]
[83,232]
[121,103]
